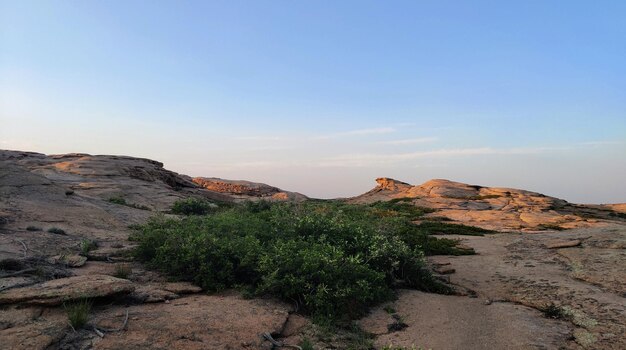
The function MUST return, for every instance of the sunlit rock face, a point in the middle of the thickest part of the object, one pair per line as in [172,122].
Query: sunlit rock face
[489,207]
[247,190]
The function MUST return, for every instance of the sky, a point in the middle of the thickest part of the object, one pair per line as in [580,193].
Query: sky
[322,97]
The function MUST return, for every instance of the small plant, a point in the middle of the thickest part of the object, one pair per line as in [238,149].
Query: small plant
[33,228]
[192,206]
[553,311]
[397,325]
[87,245]
[117,200]
[122,271]
[306,344]
[78,313]
[122,201]
[57,231]
[69,192]
[389,309]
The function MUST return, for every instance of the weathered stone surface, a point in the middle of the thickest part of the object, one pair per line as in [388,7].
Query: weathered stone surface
[181,287]
[501,209]
[195,322]
[557,244]
[57,291]
[246,189]
[295,323]
[73,260]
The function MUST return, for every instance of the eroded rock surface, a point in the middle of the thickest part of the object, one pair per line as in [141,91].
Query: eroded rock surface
[57,291]
[247,190]
[494,208]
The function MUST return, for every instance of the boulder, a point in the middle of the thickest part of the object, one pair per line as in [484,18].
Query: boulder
[57,291]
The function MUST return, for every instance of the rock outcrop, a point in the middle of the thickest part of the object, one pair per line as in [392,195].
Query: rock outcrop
[247,190]
[488,207]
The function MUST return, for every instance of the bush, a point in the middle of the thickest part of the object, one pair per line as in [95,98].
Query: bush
[78,313]
[87,245]
[333,260]
[33,228]
[192,206]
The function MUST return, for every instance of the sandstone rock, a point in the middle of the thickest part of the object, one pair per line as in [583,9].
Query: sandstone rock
[557,244]
[501,209]
[57,291]
[246,189]
[195,322]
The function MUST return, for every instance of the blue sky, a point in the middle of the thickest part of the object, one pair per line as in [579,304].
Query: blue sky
[321,97]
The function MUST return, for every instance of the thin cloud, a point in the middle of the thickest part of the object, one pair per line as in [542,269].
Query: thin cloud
[358,132]
[360,160]
[600,143]
[409,141]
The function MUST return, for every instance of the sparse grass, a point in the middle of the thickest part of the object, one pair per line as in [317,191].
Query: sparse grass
[389,309]
[306,344]
[122,271]
[122,201]
[33,228]
[78,312]
[442,228]
[394,347]
[57,231]
[87,245]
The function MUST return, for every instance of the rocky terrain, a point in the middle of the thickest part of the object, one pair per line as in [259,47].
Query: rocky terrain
[64,228]
[501,209]
[246,190]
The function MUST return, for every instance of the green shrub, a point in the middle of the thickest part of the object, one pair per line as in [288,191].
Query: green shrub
[192,206]
[56,231]
[117,200]
[333,260]
[33,228]
[87,245]
[78,312]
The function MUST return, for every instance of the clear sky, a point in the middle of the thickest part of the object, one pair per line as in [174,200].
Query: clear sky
[321,97]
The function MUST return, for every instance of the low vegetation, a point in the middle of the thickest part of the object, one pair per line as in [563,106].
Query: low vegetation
[193,206]
[33,228]
[57,231]
[78,313]
[332,260]
[553,311]
[122,271]
[87,245]
[122,201]
[443,228]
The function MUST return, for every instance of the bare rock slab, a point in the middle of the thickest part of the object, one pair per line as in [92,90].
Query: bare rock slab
[195,322]
[557,244]
[57,291]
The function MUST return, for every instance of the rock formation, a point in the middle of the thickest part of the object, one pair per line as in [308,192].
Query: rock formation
[488,207]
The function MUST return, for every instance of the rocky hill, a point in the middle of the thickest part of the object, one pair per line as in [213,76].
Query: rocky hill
[64,236]
[489,207]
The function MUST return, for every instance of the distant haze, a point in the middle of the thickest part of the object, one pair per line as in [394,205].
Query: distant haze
[323,97]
